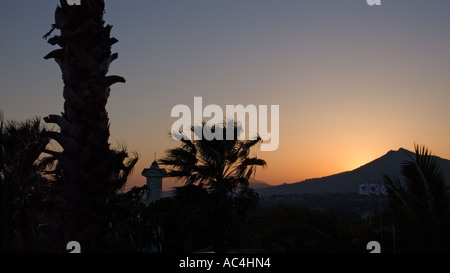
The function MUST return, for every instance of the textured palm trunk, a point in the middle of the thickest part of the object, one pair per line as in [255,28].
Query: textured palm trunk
[86,162]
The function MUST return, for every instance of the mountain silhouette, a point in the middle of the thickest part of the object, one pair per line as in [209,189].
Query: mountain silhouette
[258,184]
[373,171]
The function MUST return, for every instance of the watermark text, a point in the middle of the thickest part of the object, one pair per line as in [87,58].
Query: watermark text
[255,118]
[374,2]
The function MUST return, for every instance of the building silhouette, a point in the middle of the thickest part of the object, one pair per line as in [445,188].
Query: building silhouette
[154,176]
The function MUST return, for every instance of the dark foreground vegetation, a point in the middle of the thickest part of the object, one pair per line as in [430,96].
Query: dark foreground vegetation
[66,184]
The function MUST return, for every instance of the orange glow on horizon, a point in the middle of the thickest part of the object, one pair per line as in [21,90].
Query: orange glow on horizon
[275,173]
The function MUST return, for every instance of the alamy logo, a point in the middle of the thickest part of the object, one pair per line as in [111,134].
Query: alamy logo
[374,2]
[74,2]
[257,123]
[74,246]
[374,246]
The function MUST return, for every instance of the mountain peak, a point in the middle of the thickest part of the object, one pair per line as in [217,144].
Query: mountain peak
[400,150]
[404,150]
[390,164]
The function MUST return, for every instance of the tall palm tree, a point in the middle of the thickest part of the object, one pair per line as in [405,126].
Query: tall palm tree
[420,204]
[86,165]
[220,166]
[216,171]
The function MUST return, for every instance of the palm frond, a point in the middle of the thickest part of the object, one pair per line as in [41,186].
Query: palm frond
[420,202]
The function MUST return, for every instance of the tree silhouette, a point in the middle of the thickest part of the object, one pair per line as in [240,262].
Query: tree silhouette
[420,204]
[90,172]
[25,191]
[216,190]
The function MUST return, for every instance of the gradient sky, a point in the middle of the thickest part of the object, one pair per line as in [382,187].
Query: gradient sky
[353,81]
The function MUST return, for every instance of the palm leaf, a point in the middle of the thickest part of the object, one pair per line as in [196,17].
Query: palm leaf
[420,202]
[220,170]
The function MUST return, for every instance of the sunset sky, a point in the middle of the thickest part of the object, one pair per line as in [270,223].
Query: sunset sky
[353,81]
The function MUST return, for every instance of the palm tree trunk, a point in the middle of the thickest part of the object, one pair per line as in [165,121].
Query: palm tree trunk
[86,162]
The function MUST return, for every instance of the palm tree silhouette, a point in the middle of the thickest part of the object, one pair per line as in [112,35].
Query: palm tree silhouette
[420,204]
[216,174]
[89,170]
[25,191]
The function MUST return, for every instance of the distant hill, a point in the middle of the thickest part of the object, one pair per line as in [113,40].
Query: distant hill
[345,182]
[257,184]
